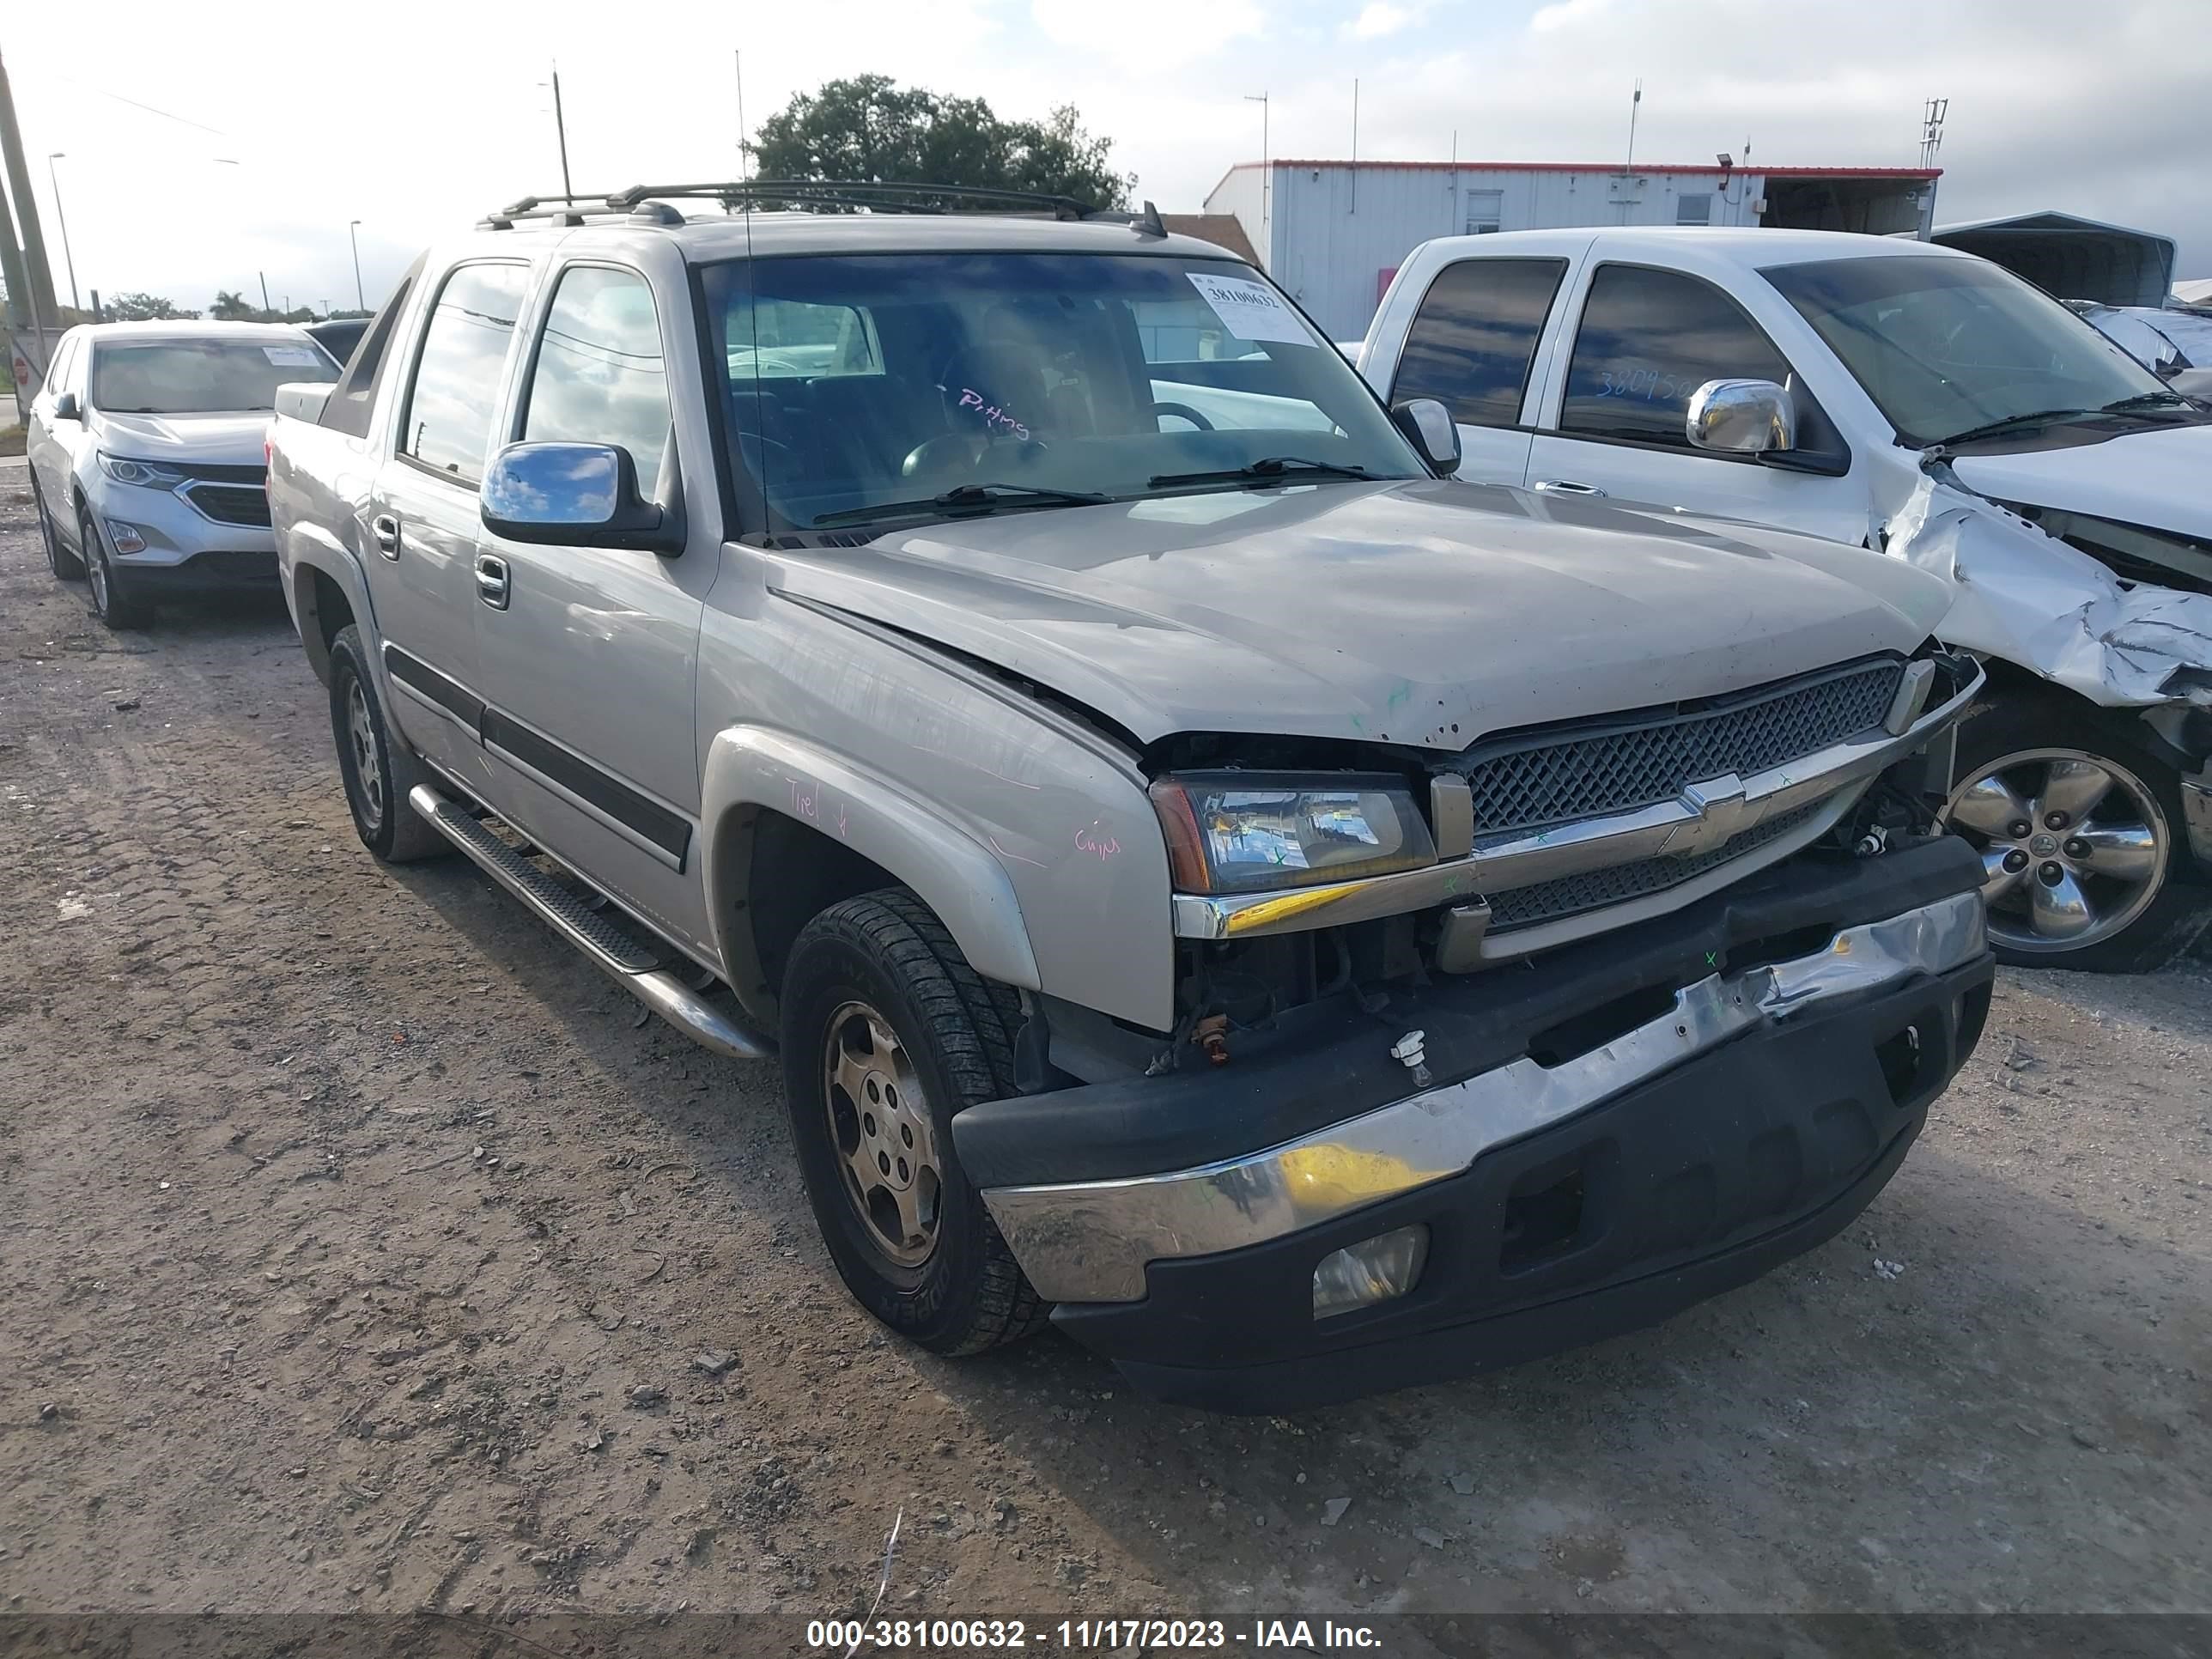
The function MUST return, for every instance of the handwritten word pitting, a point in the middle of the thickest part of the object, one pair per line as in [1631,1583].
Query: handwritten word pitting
[994,416]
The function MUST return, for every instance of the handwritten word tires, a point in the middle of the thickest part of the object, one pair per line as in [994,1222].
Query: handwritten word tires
[378,767]
[887,1031]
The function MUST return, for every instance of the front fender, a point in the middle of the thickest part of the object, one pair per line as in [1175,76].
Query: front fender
[749,769]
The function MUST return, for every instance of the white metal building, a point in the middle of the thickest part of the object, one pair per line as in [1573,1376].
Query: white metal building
[1334,233]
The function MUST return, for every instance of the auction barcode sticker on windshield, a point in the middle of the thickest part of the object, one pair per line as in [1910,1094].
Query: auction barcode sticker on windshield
[1252,311]
[292,356]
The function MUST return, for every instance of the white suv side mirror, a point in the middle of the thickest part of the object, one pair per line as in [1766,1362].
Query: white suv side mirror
[1741,417]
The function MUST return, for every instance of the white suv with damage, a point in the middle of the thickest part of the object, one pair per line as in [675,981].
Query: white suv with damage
[1924,402]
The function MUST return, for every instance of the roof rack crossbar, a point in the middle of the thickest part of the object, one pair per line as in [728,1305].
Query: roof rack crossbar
[882,194]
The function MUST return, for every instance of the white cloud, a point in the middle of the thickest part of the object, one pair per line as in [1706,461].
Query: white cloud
[1377,19]
[1566,14]
[1140,34]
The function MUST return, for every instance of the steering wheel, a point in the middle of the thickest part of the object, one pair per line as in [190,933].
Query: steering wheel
[945,451]
[1184,411]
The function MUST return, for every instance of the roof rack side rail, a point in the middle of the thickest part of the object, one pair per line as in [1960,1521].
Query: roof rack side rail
[883,195]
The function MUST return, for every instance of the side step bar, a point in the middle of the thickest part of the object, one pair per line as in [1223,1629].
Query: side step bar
[607,946]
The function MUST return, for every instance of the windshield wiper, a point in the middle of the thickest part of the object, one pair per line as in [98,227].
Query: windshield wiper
[2146,401]
[1268,469]
[966,499]
[2016,423]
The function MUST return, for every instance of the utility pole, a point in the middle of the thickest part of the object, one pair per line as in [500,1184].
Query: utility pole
[37,306]
[61,219]
[561,131]
[1267,185]
[745,164]
[360,299]
[1635,99]
[1355,144]
[263,275]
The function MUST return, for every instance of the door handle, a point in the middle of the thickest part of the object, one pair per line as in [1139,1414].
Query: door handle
[385,529]
[1567,487]
[491,580]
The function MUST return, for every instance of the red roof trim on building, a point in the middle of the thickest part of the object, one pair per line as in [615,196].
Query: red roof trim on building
[1760,168]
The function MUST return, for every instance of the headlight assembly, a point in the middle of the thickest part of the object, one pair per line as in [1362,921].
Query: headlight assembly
[1243,832]
[151,474]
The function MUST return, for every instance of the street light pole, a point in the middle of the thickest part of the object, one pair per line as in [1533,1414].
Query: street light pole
[61,220]
[360,299]
[1267,185]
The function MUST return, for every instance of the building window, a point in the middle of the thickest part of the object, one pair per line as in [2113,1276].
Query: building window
[1694,209]
[1485,211]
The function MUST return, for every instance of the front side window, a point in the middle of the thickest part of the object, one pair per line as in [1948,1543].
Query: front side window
[1474,337]
[600,377]
[220,376]
[1648,339]
[1946,345]
[447,424]
[859,381]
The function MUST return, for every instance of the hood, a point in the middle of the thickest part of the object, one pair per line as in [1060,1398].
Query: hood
[231,440]
[2152,477]
[1425,613]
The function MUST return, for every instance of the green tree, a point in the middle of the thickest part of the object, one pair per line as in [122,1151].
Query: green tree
[870,129]
[145,308]
[231,307]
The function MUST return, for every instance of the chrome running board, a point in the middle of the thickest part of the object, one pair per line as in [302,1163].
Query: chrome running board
[604,944]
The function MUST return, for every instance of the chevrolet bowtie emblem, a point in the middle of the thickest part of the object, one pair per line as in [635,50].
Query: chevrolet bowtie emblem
[1721,814]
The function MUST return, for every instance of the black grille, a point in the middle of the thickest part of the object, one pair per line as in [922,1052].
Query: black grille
[1541,779]
[231,503]
[1547,900]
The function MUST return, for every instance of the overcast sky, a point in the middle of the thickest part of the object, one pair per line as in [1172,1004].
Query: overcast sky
[415,118]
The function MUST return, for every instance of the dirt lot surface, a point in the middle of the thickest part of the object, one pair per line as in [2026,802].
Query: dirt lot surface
[362,1250]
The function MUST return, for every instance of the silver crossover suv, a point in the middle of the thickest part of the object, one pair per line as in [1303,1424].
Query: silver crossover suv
[147,457]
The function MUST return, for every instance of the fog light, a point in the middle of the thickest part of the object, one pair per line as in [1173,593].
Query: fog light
[126,537]
[1374,1270]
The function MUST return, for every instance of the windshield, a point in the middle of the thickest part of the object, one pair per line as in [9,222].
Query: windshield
[1005,380]
[200,377]
[1945,346]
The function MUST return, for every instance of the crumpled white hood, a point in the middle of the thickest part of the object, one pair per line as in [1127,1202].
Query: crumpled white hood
[2156,477]
[2029,598]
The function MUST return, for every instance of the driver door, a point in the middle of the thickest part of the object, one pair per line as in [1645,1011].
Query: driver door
[1644,340]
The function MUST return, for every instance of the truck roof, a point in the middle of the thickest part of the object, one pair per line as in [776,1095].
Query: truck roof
[706,238]
[1751,247]
[189,328]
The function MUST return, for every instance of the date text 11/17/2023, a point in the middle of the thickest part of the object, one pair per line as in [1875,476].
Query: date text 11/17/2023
[935,1636]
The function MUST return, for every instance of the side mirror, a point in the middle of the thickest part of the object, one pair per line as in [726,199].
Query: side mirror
[567,495]
[1741,417]
[67,408]
[1434,433]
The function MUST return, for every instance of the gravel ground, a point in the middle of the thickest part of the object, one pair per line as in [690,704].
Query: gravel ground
[362,1249]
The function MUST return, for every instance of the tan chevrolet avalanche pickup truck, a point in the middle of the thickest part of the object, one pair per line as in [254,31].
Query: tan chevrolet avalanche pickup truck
[1300,924]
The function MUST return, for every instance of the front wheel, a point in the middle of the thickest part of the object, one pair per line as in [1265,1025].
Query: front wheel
[2078,826]
[378,767]
[887,1031]
[115,604]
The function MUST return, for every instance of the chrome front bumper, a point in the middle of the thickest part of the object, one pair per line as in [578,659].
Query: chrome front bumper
[2196,814]
[1090,1242]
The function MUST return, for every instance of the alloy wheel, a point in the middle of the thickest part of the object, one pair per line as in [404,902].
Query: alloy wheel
[361,732]
[2074,846]
[96,561]
[880,1122]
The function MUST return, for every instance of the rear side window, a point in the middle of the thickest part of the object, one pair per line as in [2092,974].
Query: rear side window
[1648,339]
[599,377]
[353,400]
[1474,337]
[447,425]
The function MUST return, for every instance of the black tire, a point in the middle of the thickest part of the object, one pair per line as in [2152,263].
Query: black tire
[886,950]
[2179,909]
[112,602]
[386,824]
[65,565]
